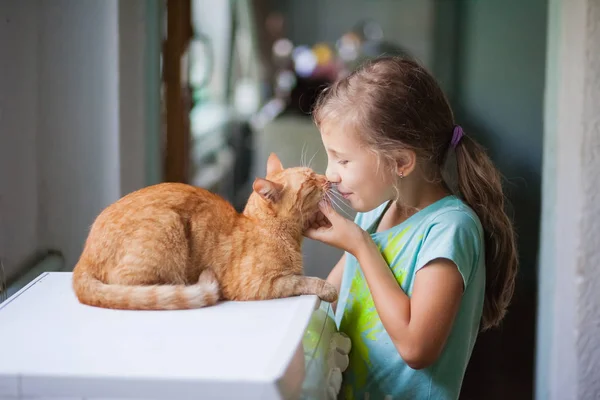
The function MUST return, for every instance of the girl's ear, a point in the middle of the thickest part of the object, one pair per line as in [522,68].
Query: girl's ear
[268,190]
[406,161]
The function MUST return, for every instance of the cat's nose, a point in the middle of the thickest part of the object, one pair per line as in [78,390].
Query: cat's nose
[322,180]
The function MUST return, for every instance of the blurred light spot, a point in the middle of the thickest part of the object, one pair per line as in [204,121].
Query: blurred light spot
[283,48]
[305,61]
[323,53]
[348,47]
[286,80]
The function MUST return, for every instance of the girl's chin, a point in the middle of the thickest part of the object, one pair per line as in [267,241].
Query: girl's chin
[355,204]
[360,206]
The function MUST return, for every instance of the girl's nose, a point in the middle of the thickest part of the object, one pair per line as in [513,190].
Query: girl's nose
[332,175]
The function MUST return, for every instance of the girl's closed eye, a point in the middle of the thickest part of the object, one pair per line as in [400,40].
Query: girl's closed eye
[343,162]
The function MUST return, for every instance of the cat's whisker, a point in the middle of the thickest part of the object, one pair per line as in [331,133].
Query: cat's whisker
[334,191]
[342,200]
[341,209]
[343,205]
[339,197]
[346,213]
[332,197]
[336,194]
[303,156]
[312,158]
[327,199]
[333,188]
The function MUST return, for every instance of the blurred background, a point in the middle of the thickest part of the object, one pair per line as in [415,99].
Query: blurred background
[100,98]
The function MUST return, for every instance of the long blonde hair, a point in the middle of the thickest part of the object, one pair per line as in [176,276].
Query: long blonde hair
[395,103]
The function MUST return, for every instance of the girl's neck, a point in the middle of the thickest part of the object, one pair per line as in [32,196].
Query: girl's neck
[420,189]
[413,198]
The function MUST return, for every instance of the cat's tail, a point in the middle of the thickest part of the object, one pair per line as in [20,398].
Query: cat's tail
[91,291]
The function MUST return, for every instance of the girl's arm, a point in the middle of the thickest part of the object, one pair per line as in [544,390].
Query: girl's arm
[335,277]
[419,326]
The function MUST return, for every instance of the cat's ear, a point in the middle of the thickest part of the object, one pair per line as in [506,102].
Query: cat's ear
[268,190]
[273,165]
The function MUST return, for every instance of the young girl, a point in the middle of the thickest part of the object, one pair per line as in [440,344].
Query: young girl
[424,269]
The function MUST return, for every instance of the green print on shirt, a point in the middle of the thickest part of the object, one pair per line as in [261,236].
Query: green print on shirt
[361,321]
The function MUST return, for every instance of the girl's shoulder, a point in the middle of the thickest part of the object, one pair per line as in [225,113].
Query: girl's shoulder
[452,211]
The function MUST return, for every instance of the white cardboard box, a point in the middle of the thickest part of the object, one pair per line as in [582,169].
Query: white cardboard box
[53,347]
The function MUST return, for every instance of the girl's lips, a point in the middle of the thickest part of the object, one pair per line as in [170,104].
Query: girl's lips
[345,194]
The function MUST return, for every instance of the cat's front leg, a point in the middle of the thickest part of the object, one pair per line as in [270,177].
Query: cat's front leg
[295,285]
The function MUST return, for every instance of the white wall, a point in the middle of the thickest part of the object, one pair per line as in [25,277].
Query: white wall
[568,358]
[18,130]
[78,125]
[73,137]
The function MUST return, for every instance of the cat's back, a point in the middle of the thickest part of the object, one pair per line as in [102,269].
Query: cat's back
[173,194]
[183,199]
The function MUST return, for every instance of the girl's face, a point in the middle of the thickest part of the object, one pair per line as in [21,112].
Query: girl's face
[361,178]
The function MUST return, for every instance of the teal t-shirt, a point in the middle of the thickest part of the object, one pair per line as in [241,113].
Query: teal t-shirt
[447,229]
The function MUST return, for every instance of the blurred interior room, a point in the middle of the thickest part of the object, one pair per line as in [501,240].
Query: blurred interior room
[255,68]
[201,91]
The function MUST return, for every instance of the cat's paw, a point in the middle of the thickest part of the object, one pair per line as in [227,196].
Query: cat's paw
[207,277]
[328,293]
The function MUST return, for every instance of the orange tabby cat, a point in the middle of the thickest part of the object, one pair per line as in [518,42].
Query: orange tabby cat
[175,246]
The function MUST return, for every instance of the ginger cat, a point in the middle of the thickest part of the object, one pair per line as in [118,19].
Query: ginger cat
[176,246]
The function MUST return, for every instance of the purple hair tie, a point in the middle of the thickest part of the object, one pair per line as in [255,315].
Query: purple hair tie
[457,134]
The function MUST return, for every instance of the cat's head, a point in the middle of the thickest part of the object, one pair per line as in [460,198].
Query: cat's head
[290,193]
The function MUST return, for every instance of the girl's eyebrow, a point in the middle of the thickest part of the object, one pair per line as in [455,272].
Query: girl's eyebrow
[335,153]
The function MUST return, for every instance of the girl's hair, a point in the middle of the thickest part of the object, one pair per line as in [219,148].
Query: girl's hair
[394,103]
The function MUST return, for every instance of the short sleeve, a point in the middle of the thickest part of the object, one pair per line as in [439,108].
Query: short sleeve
[456,236]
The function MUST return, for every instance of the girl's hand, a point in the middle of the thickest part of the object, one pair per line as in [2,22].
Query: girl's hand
[331,228]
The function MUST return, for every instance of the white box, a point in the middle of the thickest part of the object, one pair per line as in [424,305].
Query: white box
[53,347]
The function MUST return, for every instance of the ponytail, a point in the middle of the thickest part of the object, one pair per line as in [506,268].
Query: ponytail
[479,183]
